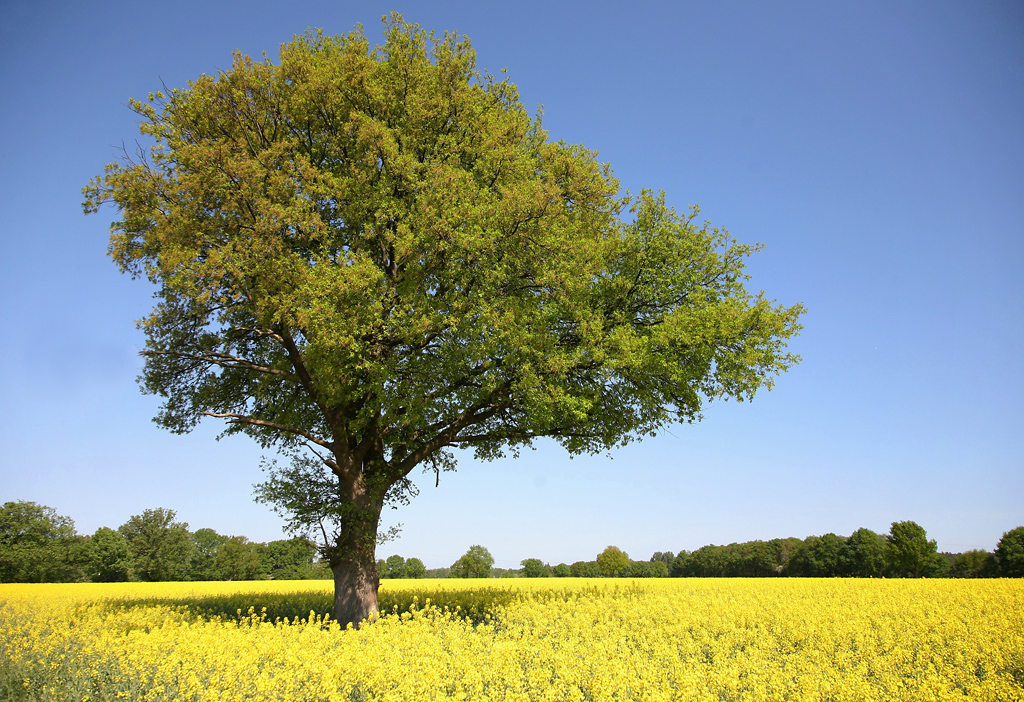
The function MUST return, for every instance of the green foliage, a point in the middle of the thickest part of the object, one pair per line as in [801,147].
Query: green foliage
[707,562]
[203,561]
[398,567]
[667,556]
[784,549]
[414,568]
[535,568]
[1010,553]
[394,567]
[562,570]
[291,559]
[819,557]
[376,255]
[678,568]
[645,569]
[241,559]
[584,569]
[910,554]
[753,559]
[475,563]
[864,556]
[25,522]
[160,547]
[112,559]
[974,564]
[38,545]
[612,561]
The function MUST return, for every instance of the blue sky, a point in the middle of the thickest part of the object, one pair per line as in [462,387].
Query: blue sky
[875,148]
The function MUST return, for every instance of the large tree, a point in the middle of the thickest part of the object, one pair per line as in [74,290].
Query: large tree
[612,560]
[160,547]
[1010,553]
[203,560]
[38,545]
[367,257]
[909,551]
[864,556]
[112,558]
[476,562]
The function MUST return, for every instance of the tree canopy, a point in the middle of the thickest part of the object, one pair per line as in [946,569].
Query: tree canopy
[911,553]
[1010,553]
[38,545]
[476,562]
[368,257]
[160,547]
[612,560]
[112,560]
[534,568]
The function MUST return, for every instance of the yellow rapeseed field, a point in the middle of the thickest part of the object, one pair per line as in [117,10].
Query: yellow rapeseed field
[545,639]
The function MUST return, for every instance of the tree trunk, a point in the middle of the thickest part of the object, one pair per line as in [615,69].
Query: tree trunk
[354,563]
[355,591]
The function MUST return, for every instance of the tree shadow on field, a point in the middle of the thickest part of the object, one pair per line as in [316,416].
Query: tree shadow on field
[476,604]
[240,607]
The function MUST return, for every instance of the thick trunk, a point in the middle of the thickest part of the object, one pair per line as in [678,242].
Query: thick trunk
[354,563]
[355,591]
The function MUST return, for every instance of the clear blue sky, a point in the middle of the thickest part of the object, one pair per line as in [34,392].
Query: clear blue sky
[875,148]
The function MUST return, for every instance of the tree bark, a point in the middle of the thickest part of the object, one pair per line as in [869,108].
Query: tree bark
[355,591]
[354,563]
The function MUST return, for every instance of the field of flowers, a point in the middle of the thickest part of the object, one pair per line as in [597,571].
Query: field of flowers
[543,639]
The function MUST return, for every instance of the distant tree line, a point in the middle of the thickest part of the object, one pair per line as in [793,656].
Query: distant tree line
[398,567]
[905,552]
[39,545]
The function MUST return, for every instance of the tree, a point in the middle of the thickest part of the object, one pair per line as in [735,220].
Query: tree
[414,568]
[784,549]
[612,560]
[241,559]
[562,570]
[819,557]
[706,562]
[474,563]
[291,559]
[751,559]
[112,559]
[909,552]
[584,569]
[864,556]
[535,568]
[365,258]
[679,566]
[667,556]
[395,567]
[160,546]
[974,564]
[645,569]
[1010,553]
[203,561]
[37,545]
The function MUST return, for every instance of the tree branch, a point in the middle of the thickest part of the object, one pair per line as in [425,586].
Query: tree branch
[475,438]
[259,332]
[327,461]
[243,419]
[465,419]
[292,349]
[224,360]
